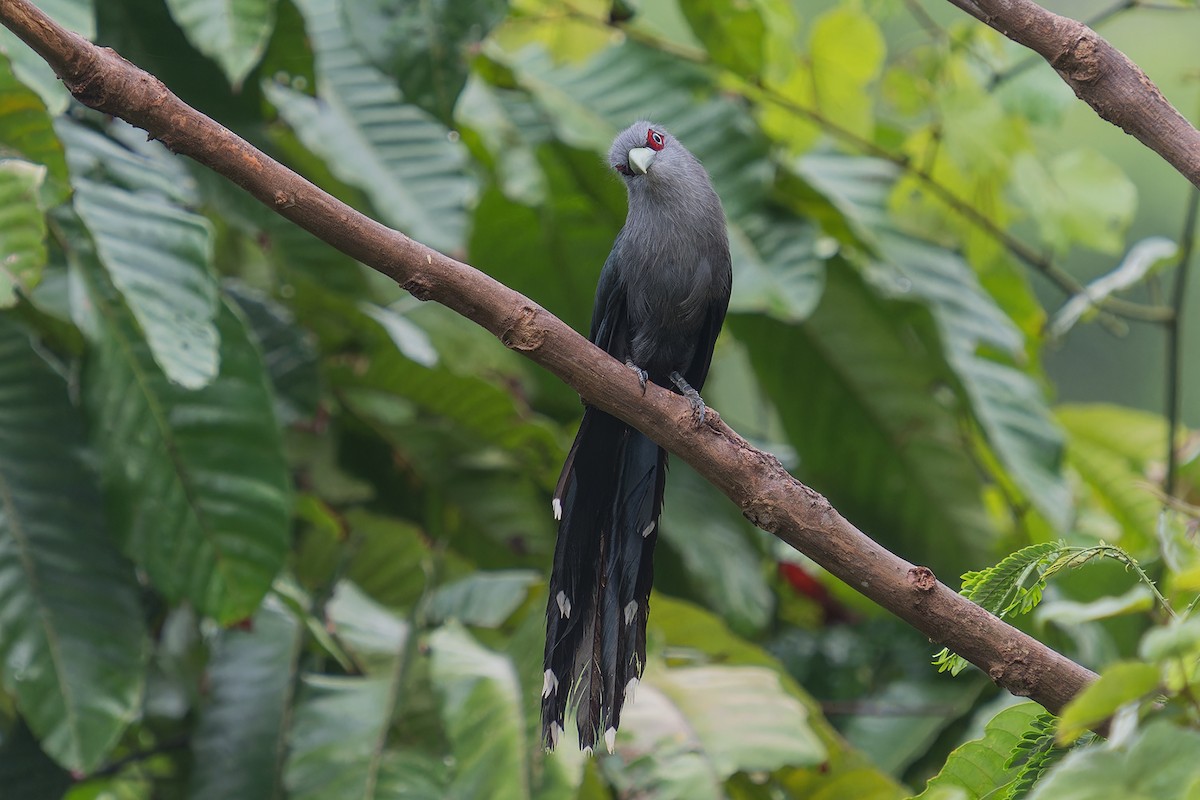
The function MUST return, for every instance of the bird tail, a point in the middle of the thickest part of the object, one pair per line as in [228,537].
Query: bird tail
[608,502]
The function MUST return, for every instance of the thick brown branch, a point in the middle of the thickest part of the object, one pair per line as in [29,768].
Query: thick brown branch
[1100,74]
[768,495]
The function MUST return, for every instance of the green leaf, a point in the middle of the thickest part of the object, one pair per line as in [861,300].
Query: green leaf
[735,719]
[1158,764]
[157,253]
[239,738]
[1143,259]
[481,709]
[233,33]
[979,767]
[1180,639]
[374,636]
[983,346]
[288,351]
[484,599]
[846,55]
[867,402]
[336,741]
[426,47]
[779,272]
[847,51]
[1083,199]
[709,534]
[26,771]
[732,31]
[27,132]
[22,229]
[892,742]
[1119,683]
[198,489]
[1111,448]
[1069,613]
[73,650]
[408,164]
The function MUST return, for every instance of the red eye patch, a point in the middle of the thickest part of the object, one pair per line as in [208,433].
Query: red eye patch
[655,140]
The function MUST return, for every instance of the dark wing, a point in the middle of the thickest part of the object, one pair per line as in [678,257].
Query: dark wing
[608,313]
[706,340]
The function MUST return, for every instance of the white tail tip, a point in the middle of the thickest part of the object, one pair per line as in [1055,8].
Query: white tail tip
[564,604]
[631,689]
[649,529]
[610,740]
[556,504]
[630,611]
[549,683]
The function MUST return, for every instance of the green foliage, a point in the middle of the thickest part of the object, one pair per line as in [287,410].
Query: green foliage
[1017,583]
[270,528]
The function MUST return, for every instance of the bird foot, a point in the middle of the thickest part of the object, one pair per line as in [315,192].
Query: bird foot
[641,373]
[693,397]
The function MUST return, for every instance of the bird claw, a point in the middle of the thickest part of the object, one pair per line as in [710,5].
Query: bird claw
[693,397]
[641,374]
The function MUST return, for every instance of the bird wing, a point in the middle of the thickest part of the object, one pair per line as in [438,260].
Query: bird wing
[706,340]
[608,313]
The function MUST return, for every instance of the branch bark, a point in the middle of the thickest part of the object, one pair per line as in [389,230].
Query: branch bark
[1100,75]
[767,494]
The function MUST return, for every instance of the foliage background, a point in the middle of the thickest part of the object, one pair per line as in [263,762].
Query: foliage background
[271,528]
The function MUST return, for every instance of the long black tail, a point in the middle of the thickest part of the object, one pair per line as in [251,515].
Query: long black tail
[608,501]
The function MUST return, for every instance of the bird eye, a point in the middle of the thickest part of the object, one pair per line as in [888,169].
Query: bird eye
[655,140]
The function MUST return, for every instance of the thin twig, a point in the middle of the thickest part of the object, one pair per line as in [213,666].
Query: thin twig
[113,768]
[1174,390]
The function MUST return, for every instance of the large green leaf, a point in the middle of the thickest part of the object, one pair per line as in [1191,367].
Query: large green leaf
[978,767]
[157,253]
[408,164]
[865,397]
[424,46]
[1159,763]
[482,713]
[22,228]
[484,599]
[337,736]
[26,132]
[233,33]
[707,723]
[709,534]
[983,346]
[1083,198]
[73,648]
[1112,449]
[198,488]
[288,353]
[238,744]
[733,31]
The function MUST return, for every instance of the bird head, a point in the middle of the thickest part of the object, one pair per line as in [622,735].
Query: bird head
[639,147]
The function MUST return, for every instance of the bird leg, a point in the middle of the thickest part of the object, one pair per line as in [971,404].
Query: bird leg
[641,373]
[693,397]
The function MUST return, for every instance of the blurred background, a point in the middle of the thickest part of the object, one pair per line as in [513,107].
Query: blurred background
[274,528]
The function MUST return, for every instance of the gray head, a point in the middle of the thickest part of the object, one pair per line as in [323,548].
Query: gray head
[662,176]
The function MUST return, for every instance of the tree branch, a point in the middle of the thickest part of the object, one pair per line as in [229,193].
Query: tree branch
[767,494]
[1100,75]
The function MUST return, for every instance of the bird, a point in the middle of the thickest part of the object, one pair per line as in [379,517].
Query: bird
[660,302]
